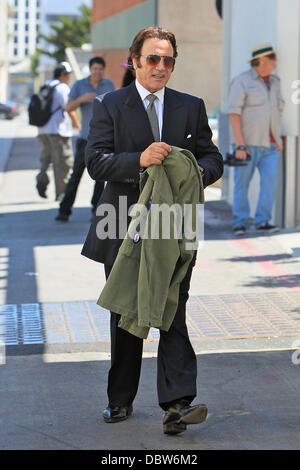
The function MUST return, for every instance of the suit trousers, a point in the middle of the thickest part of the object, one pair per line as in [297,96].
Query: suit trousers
[176,360]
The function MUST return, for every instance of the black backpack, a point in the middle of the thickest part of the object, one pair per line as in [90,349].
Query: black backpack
[39,109]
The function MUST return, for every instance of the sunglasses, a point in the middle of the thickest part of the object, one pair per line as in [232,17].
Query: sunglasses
[154,59]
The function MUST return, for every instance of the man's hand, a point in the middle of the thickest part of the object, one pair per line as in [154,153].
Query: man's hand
[241,154]
[154,154]
[74,103]
[235,121]
[75,121]
[87,97]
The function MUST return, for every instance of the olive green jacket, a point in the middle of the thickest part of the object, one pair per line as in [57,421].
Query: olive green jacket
[143,285]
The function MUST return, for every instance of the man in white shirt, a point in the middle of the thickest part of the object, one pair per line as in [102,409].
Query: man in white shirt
[55,137]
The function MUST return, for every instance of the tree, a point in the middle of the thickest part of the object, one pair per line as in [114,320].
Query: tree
[34,63]
[70,33]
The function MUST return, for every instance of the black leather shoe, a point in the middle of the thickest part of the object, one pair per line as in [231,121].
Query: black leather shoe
[180,414]
[41,189]
[62,217]
[116,414]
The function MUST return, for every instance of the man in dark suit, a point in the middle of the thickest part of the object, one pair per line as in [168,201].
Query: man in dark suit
[131,129]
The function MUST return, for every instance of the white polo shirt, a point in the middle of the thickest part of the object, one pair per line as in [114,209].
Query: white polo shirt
[60,121]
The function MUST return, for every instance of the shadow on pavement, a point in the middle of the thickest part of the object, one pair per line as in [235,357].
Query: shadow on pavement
[25,154]
[288,281]
[58,405]
[258,259]
[24,231]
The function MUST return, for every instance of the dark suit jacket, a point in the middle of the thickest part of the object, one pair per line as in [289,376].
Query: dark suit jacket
[119,132]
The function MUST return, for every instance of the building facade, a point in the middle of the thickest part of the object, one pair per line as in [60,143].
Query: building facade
[30,17]
[24,25]
[51,11]
[196,25]
[3,49]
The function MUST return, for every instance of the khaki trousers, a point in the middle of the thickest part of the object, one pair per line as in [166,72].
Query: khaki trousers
[57,150]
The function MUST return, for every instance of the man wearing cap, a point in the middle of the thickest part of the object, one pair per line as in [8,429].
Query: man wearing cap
[55,136]
[254,108]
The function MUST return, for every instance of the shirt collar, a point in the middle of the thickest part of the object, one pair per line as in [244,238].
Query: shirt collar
[143,92]
[89,81]
[254,73]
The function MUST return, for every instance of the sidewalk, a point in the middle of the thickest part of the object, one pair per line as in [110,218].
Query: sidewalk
[7,129]
[245,302]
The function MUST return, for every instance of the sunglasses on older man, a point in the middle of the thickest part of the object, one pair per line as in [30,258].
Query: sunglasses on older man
[154,59]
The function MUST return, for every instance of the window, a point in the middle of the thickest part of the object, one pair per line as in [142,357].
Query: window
[38,3]
[16,3]
[25,51]
[26,27]
[16,39]
[26,15]
[37,16]
[15,51]
[16,27]
[26,39]
[27,3]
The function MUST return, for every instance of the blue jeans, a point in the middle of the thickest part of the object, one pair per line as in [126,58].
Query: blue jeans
[267,161]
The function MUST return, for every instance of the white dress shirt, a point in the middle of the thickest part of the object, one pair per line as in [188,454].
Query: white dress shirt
[159,103]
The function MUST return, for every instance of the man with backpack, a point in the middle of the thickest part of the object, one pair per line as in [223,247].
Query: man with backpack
[54,136]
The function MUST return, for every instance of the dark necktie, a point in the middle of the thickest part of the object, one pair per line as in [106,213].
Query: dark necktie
[153,117]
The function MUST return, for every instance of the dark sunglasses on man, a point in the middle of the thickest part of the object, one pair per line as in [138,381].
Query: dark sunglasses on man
[154,59]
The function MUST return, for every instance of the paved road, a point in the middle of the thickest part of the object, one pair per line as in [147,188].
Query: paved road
[243,318]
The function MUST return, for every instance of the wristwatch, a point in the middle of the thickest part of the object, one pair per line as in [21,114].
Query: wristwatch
[241,147]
